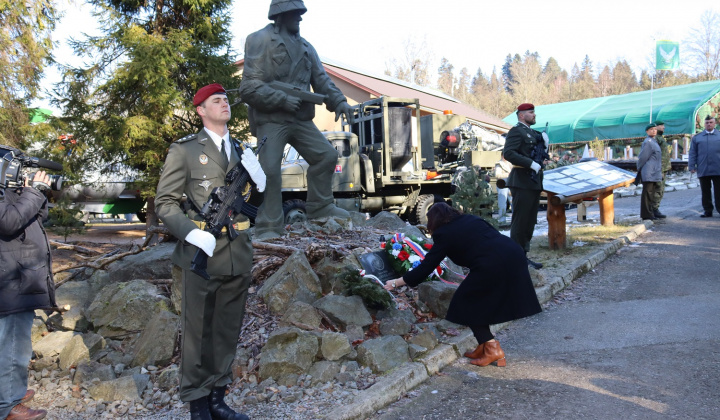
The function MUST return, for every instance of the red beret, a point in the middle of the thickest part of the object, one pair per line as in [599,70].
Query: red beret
[525,107]
[206,92]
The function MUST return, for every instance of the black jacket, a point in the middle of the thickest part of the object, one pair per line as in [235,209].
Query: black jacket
[26,281]
[519,144]
[498,287]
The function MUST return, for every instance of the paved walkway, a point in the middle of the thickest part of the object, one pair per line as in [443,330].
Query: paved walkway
[638,337]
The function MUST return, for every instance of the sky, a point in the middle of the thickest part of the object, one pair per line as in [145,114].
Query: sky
[474,34]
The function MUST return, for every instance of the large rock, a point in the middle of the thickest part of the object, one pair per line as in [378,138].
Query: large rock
[169,378]
[98,280]
[288,351]
[38,330]
[327,271]
[79,349]
[121,308]
[301,315]
[156,343]
[384,353]
[358,219]
[334,345]
[426,339]
[294,281]
[52,344]
[76,295]
[128,388]
[89,370]
[153,263]
[395,326]
[436,295]
[323,371]
[344,310]
[386,221]
[72,320]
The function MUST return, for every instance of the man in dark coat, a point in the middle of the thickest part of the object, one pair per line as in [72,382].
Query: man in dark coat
[497,289]
[26,284]
[212,310]
[665,152]
[280,67]
[705,160]
[526,177]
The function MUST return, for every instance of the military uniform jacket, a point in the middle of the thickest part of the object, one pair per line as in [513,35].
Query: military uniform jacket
[269,58]
[519,144]
[192,167]
[650,161]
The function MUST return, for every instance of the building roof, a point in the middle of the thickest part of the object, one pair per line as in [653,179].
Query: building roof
[431,100]
[625,116]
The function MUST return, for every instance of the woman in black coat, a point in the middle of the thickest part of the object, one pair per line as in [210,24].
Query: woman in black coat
[497,289]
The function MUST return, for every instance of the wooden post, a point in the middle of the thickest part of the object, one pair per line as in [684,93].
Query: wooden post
[556,223]
[607,208]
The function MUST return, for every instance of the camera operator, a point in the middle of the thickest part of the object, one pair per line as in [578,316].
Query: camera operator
[26,284]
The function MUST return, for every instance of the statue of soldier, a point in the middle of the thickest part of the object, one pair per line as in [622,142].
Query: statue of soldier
[280,68]
[665,168]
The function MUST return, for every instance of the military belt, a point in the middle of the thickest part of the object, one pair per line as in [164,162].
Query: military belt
[238,226]
[519,167]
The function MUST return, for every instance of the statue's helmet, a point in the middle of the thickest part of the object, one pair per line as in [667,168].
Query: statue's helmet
[281,6]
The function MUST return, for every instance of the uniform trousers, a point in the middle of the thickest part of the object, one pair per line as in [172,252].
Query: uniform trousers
[708,183]
[525,205]
[212,315]
[315,149]
[647,200]
[659,193]
[15,353]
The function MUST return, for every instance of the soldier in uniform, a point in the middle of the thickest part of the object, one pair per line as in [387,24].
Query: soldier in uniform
[519,144]
[277,53]
[212,310]
[665,150]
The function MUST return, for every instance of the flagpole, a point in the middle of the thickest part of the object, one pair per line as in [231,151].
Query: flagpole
[652,82]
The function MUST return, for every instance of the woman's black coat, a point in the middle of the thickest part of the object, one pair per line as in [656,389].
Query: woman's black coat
[497,289]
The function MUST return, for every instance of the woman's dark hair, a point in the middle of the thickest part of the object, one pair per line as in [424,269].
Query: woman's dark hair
[441,214]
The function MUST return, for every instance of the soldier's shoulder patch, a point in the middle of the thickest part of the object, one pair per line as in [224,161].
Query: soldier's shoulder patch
[187,138]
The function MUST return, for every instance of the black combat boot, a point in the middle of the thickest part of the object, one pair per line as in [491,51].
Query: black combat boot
[199,409]
[220,410]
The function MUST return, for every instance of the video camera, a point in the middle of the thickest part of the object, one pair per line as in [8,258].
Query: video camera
[14,165]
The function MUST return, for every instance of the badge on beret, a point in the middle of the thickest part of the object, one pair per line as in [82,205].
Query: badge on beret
[529,135]
[203,159]
[206,185]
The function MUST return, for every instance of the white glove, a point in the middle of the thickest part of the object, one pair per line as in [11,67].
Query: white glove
[547,141]
[203,240]
[250,162]
[535,167]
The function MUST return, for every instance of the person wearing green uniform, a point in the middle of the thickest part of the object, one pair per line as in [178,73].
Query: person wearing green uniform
[212,310]
[665,150]
[280,67]
[526,177]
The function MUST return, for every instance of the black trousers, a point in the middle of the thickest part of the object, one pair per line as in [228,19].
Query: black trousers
[482,333]
[647,200]
[708,183]
[525,205]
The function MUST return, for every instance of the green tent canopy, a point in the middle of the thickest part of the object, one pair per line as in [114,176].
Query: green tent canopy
[681,108]
[38,115]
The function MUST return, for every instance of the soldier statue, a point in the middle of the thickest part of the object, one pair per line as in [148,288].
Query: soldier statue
[280,68]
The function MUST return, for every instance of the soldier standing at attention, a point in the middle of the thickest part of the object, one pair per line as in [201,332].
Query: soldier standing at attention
[281,66]
[665,150]
[212,310]
[525,188]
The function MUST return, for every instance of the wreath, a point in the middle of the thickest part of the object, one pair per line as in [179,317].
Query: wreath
[407,252]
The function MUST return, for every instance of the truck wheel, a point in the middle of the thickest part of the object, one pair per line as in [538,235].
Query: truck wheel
[419,216]
[142,215]
[294,211]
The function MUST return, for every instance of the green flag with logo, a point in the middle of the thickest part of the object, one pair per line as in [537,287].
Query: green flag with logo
[668,55]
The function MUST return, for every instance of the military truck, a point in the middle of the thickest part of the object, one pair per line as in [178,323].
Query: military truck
[381,167]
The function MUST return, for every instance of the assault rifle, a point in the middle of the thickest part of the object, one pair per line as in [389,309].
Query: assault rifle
[304,95]
[539,154]
[221,208]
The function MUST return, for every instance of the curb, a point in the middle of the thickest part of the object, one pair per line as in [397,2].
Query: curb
[399,381]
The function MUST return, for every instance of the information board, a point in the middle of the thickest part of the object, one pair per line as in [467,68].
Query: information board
[584,177]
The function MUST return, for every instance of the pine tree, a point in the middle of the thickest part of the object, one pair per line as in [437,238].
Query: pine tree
[473,195]
[135,97]
[25,48]
[64,219]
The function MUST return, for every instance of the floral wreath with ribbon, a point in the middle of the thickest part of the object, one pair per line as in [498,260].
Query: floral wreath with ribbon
[406,252]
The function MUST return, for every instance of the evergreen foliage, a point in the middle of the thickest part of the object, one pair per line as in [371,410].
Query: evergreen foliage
[473,195]
[373,295]
[25,50]
[134,98]
[63,219]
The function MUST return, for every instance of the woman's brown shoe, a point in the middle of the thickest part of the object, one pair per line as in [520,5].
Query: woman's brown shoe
[477,353]
[492,353]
